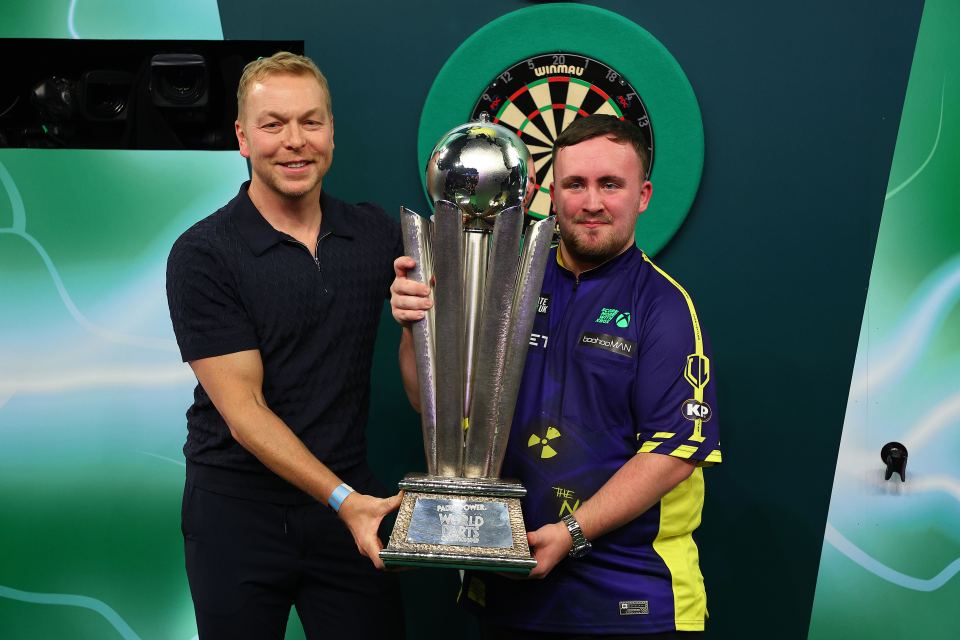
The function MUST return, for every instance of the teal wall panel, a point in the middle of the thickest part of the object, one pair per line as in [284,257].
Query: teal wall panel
[894,547]
[111,19]
[91,387]
[92,390]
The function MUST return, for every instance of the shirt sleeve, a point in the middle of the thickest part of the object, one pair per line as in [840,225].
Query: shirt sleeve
[398,243]
[676,391]
[397,250]
[208,315]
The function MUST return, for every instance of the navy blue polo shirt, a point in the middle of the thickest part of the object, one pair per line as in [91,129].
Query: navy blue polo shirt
[235,283]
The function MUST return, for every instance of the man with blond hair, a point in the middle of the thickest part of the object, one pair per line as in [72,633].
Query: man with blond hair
[275,300]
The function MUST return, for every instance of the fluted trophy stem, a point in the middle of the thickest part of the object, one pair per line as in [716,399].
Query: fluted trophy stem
[448,297]
[476,246]
[486,410]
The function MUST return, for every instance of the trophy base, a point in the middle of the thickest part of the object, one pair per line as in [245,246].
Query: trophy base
[460,523]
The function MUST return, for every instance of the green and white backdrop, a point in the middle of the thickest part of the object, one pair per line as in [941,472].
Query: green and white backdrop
[822,249]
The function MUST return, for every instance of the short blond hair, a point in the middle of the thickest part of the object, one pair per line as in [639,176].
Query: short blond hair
[280,63]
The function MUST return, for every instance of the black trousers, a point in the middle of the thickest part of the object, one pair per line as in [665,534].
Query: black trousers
[494,632]
[248,561]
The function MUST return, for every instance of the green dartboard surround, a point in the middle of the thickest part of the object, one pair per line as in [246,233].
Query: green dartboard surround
[604,36]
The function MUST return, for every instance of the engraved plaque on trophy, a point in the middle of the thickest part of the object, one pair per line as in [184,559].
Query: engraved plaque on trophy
[470,351]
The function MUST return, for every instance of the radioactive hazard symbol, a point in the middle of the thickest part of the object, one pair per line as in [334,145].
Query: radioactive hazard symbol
[546,450]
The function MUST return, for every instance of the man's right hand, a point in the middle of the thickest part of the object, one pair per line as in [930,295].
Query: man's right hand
[409,299]
[362,514]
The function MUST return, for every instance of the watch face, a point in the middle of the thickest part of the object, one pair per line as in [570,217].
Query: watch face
[540,96]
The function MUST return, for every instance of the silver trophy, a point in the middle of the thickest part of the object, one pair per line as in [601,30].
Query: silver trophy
[470,351]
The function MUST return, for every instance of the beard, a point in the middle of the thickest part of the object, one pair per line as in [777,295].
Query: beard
[595,246]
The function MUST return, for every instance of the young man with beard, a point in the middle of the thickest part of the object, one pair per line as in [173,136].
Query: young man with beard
[275,301]
[614,420]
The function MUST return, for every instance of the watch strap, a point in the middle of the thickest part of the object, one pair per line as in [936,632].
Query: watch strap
[581,546]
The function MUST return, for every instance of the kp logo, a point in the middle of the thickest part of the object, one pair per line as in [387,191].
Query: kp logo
[694,410]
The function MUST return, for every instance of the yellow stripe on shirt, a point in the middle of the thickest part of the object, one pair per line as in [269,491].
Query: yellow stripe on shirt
[680,513]
[699,378]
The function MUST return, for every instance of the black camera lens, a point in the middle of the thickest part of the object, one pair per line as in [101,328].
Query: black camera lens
[178,80]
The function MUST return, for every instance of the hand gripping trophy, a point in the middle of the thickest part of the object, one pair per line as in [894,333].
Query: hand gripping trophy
[470,350]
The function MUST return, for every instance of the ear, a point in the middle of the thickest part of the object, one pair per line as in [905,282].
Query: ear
[241,139]
[646,192]
[551,192]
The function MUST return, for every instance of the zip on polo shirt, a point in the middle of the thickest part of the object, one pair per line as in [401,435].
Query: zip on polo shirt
[586,272]
[571,303]
[316,258]
[573,296]
[562,328]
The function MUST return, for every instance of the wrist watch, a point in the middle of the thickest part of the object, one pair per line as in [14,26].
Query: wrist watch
[581,546]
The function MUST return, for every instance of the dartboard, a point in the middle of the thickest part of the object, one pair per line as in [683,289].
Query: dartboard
[591,60]
[540,96]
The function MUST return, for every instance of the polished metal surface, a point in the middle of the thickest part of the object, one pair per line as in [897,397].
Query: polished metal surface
[456,561]
[486,408]
[416,244]
[418,538]
[476,246]
[498,487]
[482,168]
[531,188]
[448,332]
[460,522]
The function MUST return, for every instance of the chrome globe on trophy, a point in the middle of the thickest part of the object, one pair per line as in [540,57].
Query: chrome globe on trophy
[470,351]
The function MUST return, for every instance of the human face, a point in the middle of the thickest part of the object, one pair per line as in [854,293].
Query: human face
[598,193]
[286,131]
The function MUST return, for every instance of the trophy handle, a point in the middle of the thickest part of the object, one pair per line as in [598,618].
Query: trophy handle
[416,244]
[448,294]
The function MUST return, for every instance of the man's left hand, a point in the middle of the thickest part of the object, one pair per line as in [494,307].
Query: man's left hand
[550,544]
[362,514]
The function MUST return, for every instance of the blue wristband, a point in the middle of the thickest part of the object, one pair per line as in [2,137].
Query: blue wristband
[339,495]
